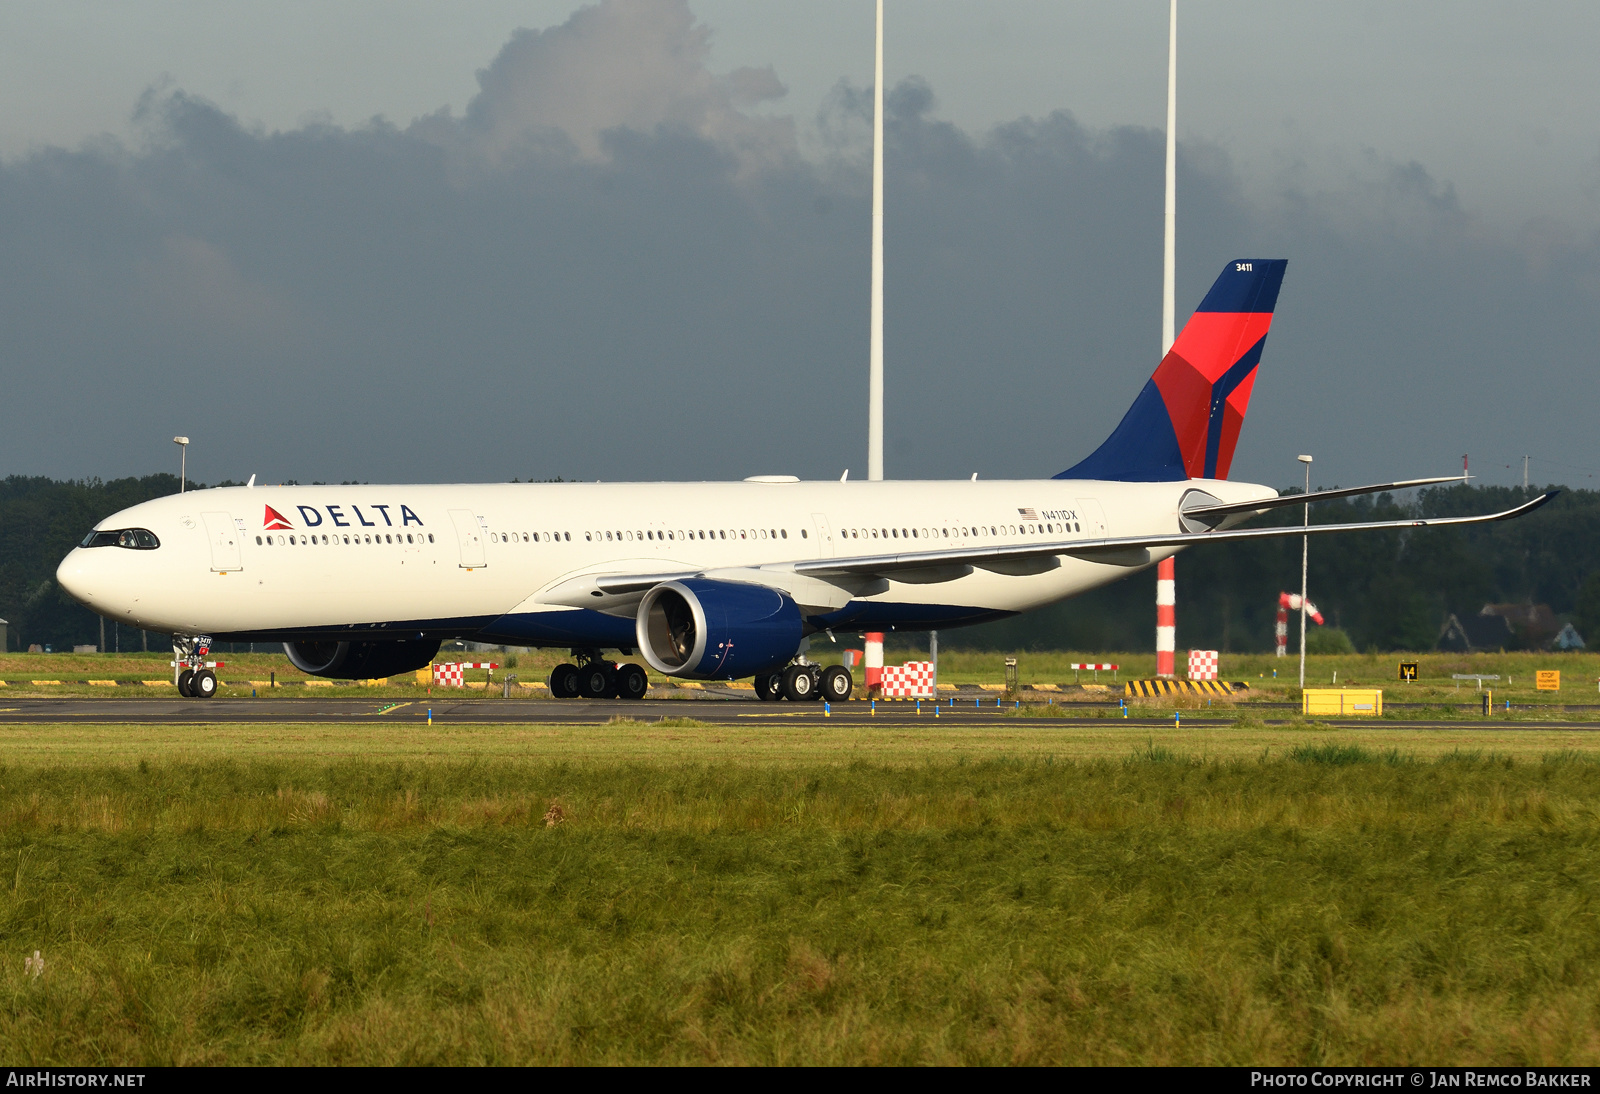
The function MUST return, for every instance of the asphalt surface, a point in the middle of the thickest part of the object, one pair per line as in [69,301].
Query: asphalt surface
[730,711]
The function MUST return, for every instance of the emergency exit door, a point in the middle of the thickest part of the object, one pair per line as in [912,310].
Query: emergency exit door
[1093,518]
[469,536]
[824,535]
[224,538]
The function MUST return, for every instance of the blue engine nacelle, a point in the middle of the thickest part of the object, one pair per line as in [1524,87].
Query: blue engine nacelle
[360,660]
[717,630]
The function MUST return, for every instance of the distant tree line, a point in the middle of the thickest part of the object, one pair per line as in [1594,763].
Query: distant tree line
[1385,590]
[40,521]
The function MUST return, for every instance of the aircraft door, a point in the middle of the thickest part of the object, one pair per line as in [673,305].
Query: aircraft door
[470,538]
[824,536]
[224,539]
[1093,518]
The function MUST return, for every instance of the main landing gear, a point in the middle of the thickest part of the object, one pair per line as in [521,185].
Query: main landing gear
[594,677]
[803,681]
[196,680]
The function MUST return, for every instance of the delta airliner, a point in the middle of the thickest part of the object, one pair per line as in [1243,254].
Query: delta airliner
[704,580]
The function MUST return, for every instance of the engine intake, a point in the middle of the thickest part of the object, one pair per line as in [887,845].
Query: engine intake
[717,630]
[360,660]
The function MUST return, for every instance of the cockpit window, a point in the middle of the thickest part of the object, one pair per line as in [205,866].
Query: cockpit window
[135,539]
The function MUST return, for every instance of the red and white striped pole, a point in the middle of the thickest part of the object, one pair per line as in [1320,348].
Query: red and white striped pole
[1166,617]
[873,662]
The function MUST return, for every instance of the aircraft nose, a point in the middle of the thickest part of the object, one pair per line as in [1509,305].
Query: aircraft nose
[82,574]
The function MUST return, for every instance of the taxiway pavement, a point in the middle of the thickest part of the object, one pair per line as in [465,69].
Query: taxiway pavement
[493,711]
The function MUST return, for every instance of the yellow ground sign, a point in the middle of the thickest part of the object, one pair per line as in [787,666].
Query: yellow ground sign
[1549,679]
[1366,702]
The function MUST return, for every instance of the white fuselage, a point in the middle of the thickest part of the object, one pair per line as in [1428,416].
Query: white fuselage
[508,562]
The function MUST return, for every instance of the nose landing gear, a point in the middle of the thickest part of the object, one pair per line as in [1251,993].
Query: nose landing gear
[195,680]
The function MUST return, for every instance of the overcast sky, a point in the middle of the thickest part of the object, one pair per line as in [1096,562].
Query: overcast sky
[416,241]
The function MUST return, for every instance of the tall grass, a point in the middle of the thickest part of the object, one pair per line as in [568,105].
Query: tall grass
[1338,905]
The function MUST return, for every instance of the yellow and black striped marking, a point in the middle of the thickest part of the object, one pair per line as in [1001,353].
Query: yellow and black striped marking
[1154,689]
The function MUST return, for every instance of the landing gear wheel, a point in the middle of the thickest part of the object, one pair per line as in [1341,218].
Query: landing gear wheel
[799,685]
[837,683]
[204,684]
[597,680]
[769,688]
[184,678]
[632,682]
[564,682]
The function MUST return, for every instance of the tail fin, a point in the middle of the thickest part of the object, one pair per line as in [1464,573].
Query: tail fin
[1185,423]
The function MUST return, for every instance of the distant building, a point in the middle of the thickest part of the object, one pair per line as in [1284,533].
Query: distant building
[1475,632]
[1535,625]
[1508,627]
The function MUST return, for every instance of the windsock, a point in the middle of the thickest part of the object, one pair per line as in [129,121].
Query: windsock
[1290,602]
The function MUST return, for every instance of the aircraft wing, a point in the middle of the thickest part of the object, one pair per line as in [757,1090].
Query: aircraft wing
[617,591]
[1261,505]
[1018,558]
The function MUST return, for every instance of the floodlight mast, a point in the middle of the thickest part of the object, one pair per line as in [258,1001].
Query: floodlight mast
[1305,557]
[1169,258]
[183,461]
[875,351]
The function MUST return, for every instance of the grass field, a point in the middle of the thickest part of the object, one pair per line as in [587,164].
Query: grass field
[1580,673]
[1036,893]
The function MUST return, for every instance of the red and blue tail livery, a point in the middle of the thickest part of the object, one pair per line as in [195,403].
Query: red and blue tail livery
[1185,423]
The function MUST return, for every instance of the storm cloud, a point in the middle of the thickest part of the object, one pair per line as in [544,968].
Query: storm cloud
[608,266]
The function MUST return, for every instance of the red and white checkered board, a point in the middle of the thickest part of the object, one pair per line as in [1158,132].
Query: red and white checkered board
[912,680]
[448,676]
[1202,664]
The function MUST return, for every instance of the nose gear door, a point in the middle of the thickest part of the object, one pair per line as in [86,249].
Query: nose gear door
[470,537]
[224,538]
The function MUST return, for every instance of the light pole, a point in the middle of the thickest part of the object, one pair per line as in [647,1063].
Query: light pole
[183,460]
[1305,556]
[875,330]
